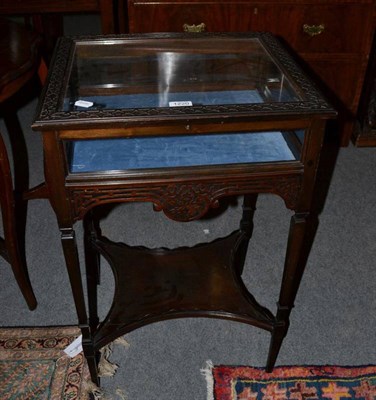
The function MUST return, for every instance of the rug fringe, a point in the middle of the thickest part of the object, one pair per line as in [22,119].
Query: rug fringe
[207,372]
[122,341]
[106,367]
[90,387]
[121,394]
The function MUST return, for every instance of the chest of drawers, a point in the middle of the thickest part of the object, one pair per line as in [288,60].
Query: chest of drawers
[332,39]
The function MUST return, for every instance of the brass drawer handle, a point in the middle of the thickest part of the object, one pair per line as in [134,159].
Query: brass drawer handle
[194,28]
[313,30]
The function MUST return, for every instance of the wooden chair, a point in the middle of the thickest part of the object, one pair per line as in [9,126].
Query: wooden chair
[20,61]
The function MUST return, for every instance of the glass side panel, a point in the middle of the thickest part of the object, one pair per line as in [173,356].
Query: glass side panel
[181,151]
[171,73]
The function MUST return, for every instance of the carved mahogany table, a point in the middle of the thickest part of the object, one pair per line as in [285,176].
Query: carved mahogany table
[180,121]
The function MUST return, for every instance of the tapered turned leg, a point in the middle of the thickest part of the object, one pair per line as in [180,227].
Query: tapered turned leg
[92,262]
[278,334]
[92,358]
[249,208]
[246,226]
[299,243]
[71,258]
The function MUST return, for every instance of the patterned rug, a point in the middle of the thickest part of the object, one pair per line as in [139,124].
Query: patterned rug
[34,366]
[292,383]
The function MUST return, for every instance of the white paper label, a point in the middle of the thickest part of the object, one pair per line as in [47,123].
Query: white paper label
[179,103]
[83,103]
[74,348]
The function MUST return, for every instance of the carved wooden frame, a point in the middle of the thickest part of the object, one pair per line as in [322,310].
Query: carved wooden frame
[184,200]
[51,116]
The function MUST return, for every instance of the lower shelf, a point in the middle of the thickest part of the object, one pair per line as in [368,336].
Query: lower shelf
[157,284]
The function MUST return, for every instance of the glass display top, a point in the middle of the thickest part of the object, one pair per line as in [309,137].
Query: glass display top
[157,78]
[174,73]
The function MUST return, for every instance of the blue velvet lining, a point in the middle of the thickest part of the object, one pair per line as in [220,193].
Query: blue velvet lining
[162,99]
[177,151]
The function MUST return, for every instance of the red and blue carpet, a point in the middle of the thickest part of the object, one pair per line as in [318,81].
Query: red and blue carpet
[292,383]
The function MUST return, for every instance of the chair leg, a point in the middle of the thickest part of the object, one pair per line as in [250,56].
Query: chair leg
[12,251]
[19,267]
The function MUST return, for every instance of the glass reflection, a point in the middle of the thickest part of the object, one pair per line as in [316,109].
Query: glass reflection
[170,75]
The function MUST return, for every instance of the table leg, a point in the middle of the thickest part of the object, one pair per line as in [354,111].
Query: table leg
[21,172]
[92,262]
[68,240]
[246,226]
[299,243]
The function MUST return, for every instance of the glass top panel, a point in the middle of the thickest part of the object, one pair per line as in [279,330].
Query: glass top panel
[174,73]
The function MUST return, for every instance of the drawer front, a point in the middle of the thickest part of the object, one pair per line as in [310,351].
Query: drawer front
[319,29]
[342,81]
[173,17]
[338,28]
